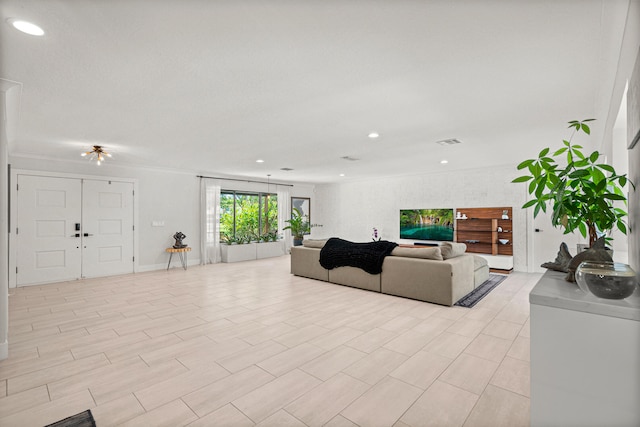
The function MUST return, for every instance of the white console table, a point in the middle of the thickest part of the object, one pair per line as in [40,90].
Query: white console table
[585,356]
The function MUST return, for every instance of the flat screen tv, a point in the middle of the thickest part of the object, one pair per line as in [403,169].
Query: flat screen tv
[427,224]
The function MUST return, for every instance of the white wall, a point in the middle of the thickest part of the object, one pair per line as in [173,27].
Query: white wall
[629,56]
[350,210]
[298,190]
[4,235]
[172,197]
[9,96]
[619,159]
[634,209]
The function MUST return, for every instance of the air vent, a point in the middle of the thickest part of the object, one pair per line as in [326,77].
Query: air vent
[451,141]
[349,158]
[286,169]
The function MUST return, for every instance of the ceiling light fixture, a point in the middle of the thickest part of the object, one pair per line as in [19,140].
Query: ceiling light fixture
[259,161]
[373,135]
[341,174]
[97,153]
[26,27]
[444,162]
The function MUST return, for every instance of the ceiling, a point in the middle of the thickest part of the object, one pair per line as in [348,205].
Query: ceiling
[212,86]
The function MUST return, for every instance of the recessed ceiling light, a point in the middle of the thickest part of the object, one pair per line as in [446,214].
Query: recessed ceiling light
[259,161]
[373,135]
[341,174]
[444,162]
[27,27]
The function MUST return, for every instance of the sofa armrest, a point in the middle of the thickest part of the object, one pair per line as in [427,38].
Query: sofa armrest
[440,282]
[306,262]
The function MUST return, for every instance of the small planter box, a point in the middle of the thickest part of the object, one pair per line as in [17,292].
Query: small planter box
[250,251]
[269,249]
[236,253]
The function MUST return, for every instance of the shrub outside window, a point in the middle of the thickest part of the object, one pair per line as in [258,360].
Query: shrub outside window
[247,216]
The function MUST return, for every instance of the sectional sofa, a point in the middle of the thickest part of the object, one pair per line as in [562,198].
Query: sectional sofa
[440,275]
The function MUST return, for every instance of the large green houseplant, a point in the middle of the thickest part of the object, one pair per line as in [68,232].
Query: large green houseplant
[299,226]
[583,191]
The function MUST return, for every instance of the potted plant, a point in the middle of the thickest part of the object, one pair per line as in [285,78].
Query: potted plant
[299,226]
[270,246]
[271,236]
[583,192]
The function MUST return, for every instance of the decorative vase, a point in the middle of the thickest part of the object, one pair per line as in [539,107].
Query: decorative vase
[610,280]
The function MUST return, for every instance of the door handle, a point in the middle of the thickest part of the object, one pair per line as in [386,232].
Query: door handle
[75,235]
[87,235]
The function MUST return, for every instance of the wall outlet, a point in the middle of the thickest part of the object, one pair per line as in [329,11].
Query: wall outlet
[157,223]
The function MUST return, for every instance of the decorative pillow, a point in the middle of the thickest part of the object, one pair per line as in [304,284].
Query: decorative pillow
[425,253]
[452,250]
[314,243]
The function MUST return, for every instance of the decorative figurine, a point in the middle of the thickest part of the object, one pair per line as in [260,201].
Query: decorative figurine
[567,264]
[505,214]
[179,236]
[563,259]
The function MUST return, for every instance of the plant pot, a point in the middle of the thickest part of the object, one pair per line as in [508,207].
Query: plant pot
[269,249]
[609,280]
[297,241]
[236,253]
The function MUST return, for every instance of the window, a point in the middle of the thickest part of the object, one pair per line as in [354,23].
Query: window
[248,215]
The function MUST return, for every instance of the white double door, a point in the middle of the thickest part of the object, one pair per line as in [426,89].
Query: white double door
[69,228]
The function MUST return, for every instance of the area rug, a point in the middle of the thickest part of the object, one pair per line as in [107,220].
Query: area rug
[83,419]
[473,297]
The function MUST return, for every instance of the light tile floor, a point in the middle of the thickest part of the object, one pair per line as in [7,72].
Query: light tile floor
[249,344]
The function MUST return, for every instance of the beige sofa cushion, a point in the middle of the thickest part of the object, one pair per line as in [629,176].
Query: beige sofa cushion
[305,262]
[452,250]
[440,282]
[425,253]
[480,270]
[355,277]
[479,262]
[314,243]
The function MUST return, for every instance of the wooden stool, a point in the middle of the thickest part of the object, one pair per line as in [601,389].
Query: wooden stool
[182,252]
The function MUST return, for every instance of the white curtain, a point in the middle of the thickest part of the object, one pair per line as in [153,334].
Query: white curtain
[284,213]
[209,221]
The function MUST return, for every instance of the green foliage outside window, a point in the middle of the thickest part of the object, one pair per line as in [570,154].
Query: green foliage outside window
[248,216]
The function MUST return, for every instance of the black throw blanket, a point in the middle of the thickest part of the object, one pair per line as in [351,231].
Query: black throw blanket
[367,256]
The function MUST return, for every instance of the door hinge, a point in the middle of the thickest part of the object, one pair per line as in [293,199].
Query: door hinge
[16,270]
[133,259]
[133,227]
[16,230]
[17,187]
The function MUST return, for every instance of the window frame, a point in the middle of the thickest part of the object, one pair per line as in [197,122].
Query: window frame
[260,195]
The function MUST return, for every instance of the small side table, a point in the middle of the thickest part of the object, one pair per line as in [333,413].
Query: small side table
[182,252]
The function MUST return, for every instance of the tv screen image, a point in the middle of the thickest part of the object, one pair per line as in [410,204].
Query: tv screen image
[427,224]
